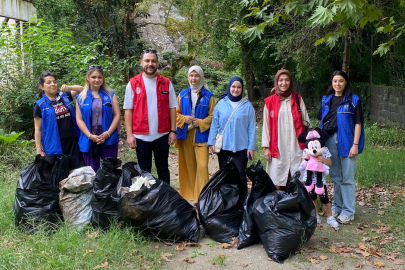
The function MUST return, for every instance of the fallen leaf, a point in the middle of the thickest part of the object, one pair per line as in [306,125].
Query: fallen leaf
[193,245]
[92,235]
[180,247]
[189,260]
[359,265]
[313,260]
[362,246]
[235,241]
[221,256]
[157,246]
[270,259]
[87,251]
[379,264]
[319,226]
[399,262]
[323,257]
[103,265]
[165,256]
[244,265]
[226,245]
[168,243]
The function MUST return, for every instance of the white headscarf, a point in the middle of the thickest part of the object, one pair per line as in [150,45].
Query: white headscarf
[196,88]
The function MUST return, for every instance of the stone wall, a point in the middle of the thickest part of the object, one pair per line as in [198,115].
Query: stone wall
[387,105]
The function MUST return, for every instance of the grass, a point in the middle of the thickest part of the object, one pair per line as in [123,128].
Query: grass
[379,165]
[67,248]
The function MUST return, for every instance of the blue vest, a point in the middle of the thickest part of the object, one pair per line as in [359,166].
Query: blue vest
[345,123]
[107,113]
[49,128]
[201,111]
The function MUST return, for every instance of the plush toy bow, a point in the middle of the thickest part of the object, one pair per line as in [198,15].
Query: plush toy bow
[313,134]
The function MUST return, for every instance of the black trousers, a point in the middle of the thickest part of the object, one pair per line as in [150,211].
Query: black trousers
[160,149]
[240,159]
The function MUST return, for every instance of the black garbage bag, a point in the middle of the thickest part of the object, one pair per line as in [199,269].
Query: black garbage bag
[286,219]
[37,193]
[158,211]
[220,204]
[105,200]
[261,186]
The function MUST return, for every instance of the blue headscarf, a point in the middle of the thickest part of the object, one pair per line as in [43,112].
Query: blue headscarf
[228,93]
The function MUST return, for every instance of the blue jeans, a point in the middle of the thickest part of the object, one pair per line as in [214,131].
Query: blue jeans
[342,174]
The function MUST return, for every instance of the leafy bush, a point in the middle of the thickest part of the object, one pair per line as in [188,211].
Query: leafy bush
[14,152]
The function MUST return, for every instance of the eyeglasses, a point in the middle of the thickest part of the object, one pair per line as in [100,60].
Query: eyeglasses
[95,67]
[149,51]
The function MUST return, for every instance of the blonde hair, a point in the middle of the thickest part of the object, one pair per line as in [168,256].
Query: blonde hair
[104,86]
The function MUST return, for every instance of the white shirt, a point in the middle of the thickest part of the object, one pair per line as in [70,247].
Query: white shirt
[289,158]
[151,103]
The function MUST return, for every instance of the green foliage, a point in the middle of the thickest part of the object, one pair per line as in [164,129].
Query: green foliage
[380,165]
[14,152]
[66,248]
[40,48]
[377,134]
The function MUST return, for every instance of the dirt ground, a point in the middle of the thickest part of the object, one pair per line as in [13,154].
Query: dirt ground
[350,247]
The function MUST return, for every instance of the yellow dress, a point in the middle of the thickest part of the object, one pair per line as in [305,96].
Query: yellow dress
[193,157]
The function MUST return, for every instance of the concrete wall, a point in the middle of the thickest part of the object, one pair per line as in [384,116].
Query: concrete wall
[17,10]
[387,105]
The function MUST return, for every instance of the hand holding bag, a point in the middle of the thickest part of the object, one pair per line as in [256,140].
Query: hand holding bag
[218,138]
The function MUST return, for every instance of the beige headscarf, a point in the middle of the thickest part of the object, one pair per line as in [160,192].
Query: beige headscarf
[196,88]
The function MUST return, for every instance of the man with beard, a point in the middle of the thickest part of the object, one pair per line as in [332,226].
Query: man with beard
[150,116]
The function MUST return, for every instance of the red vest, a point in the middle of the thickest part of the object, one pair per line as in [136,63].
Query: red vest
[273,106]
[140,121]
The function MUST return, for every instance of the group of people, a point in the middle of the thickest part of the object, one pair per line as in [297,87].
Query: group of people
[195,124]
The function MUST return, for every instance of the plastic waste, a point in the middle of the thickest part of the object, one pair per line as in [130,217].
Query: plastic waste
[158,211]
[261,186]
[105,199]
[220,204]
[286,219]
[37,193]
[75,196]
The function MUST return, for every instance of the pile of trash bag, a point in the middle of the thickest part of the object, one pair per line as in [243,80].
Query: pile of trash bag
[105,200]
[261,186]
[37,193]
[220,204]
[154,207]
[75,196]
[286,219]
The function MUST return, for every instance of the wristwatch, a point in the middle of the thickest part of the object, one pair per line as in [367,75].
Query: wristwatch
[173,131]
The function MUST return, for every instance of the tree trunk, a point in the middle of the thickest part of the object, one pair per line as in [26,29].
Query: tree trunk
[346,54]
[247,72]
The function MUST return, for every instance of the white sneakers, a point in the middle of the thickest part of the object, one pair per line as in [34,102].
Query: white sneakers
[332,222]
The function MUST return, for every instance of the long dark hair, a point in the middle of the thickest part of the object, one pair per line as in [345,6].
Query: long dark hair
[42,81]
[347,92]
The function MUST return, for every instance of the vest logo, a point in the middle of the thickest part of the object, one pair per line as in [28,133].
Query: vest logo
[346,107]
[138,90]
[105,98]
[272,113]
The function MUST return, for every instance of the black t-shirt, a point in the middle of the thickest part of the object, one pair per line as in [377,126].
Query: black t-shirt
[330,120]
[64,120]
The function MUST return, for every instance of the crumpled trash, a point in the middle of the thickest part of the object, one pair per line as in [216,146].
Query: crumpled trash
[261,186]
[139,181]
[37,193]
[158,211]
[75,196]
[220,204]
[286,219]
[105,199]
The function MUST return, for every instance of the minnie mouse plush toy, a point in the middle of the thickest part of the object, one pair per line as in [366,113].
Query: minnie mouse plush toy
[314,147]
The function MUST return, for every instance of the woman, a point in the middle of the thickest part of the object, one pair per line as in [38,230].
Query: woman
[239,138]
[283,116]
[341,116]
[56,132]
[98,116]
[193,120]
